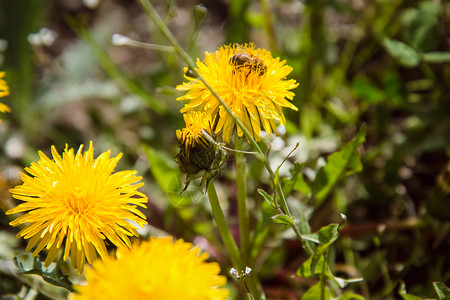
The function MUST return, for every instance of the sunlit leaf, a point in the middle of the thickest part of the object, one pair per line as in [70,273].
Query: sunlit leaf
[404,54]
[340,164]
[410,297]
[267,197]
[305,269]
[317,291]
[283,219]
[325,237]
[442,290]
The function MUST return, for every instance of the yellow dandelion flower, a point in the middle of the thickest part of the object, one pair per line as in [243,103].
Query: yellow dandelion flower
[4,91]
[250,81]
[77,199]
[157,269]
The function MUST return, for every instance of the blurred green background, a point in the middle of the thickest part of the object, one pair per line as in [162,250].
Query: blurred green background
[383,63]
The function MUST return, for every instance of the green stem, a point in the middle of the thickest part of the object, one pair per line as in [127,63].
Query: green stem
[270,28]
[242,200]
[229,242]
[305,244]
[224,231]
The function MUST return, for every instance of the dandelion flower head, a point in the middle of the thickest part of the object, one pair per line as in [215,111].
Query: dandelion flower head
[4,91]
[191,136]
[250,81]
[158,269]
[77,200]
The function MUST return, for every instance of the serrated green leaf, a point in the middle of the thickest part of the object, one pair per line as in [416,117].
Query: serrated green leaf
[403,53]
[27,264]
[283,219]
[442,290]
[317,291]
[267,197]
[340,164]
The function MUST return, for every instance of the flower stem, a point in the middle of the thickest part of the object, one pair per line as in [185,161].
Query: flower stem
[242,200]
[224,231]
[229,242]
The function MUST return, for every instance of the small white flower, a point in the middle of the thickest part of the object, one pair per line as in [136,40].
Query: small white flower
[44,37]
[120,40]
[277,144]
[281,130]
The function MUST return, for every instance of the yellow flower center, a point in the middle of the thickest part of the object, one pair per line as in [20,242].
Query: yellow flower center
[77,202]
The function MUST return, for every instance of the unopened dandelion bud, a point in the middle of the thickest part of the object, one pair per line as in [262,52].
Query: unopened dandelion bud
[198,156]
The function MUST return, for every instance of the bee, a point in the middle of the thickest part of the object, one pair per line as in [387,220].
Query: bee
[242,59]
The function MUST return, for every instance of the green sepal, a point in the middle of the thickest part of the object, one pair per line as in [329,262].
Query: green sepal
[27,264]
